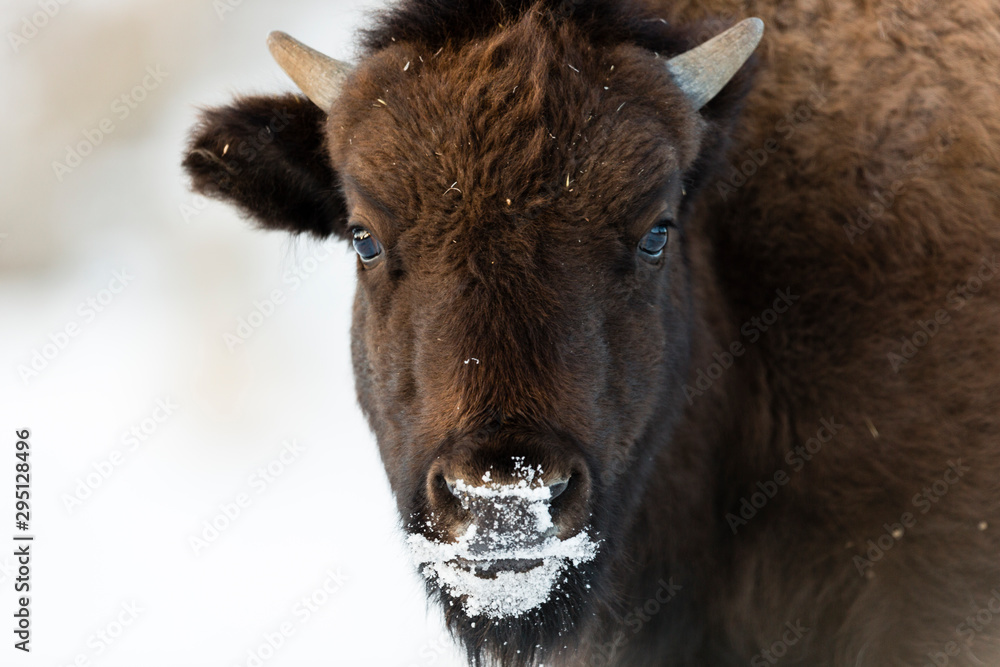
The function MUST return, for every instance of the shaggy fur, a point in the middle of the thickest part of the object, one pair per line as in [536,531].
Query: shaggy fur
[792,416]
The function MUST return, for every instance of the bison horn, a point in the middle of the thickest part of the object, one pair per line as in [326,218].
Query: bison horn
[704,70]
[317,75]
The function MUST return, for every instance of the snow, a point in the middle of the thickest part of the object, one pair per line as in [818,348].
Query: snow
[473,568]
[315,547]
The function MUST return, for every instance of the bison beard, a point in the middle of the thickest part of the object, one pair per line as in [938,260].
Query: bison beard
[504,167]
[529,637]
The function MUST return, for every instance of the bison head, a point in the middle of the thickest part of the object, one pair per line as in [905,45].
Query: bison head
[517,200]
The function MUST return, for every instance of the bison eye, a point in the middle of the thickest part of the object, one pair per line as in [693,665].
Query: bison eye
[367,246]
[652,244]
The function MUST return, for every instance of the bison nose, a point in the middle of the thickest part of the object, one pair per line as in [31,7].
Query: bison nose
[501,517]
[555,487]
[500,502]
[508,513]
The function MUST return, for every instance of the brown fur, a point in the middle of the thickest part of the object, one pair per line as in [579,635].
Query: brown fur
[589,357]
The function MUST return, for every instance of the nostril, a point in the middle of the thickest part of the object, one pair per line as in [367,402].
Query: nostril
[443,485]
[556,488]
[442,494]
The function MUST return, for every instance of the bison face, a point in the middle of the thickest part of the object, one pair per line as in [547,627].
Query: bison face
[522,321]
[522,314]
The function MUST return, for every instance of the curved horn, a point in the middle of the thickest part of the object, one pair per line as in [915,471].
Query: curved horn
[704,70]
[317,75]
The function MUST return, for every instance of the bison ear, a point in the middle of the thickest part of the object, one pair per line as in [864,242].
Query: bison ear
[267,156]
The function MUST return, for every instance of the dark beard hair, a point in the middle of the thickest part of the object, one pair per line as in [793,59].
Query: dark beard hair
[529,638]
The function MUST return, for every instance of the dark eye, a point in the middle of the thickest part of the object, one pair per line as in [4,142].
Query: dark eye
[652,244]
[366,245]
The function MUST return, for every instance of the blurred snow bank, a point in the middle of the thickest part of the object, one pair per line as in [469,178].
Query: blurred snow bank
[173,524]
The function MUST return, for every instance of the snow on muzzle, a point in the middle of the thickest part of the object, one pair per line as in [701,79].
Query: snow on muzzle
[509,559]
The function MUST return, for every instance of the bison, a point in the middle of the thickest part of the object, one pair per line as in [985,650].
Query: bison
[679,350]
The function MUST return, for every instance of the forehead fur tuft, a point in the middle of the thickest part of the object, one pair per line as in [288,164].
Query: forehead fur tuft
[533,113]
[440,23]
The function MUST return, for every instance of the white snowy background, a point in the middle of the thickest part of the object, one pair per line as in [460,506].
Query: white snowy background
[116,580]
